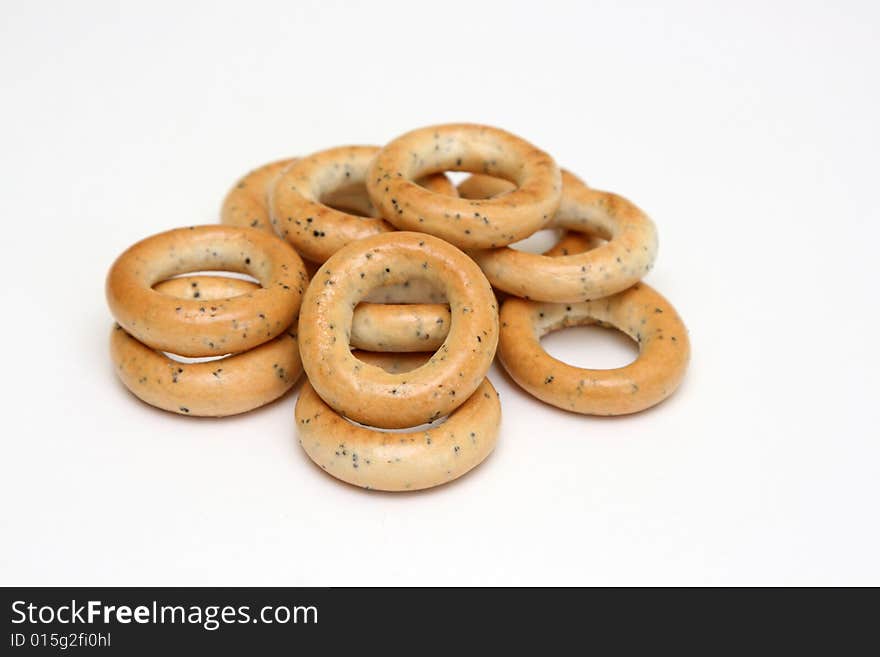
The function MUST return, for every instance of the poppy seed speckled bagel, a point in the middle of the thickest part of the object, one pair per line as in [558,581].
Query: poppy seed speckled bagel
[399,461]
[468,224]
[366,393]
[626,256]
[640,312]
[193,327]
[315,229]
[247,203]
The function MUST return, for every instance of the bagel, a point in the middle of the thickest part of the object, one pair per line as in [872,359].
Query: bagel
[399,461]
[468,224]
[640,312]
[195,327]
[369,394]
[217,388]
[378,327]
[626,256]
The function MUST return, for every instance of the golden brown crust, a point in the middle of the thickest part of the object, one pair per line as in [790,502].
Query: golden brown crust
[194,327]
[480,186]
[640,312]
[471,224]
[368,394]
[237,384]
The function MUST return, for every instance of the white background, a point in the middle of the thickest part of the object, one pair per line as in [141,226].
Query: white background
[748,131]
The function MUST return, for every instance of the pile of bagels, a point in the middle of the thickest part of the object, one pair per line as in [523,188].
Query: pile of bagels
[392,289]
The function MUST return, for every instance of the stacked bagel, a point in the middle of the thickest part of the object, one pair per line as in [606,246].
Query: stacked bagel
[374,249]
[206,317]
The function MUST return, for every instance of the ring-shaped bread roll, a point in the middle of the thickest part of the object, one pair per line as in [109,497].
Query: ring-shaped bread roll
[368,394]
[195,327]
[623,260]
[300,213]
[399,461]
[640,312]
[469,224]
[379,327]
[226,386]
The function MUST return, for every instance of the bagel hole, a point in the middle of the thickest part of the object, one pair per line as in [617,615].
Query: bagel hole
[591,347]
[458,177]
[218,274]
[538,242]
[211,287]
[189,361]
[349,209]
[347,206]
[394,363]
[421,427]
[351,199]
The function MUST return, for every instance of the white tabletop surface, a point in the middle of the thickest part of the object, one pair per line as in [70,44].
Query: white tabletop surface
[748,131]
